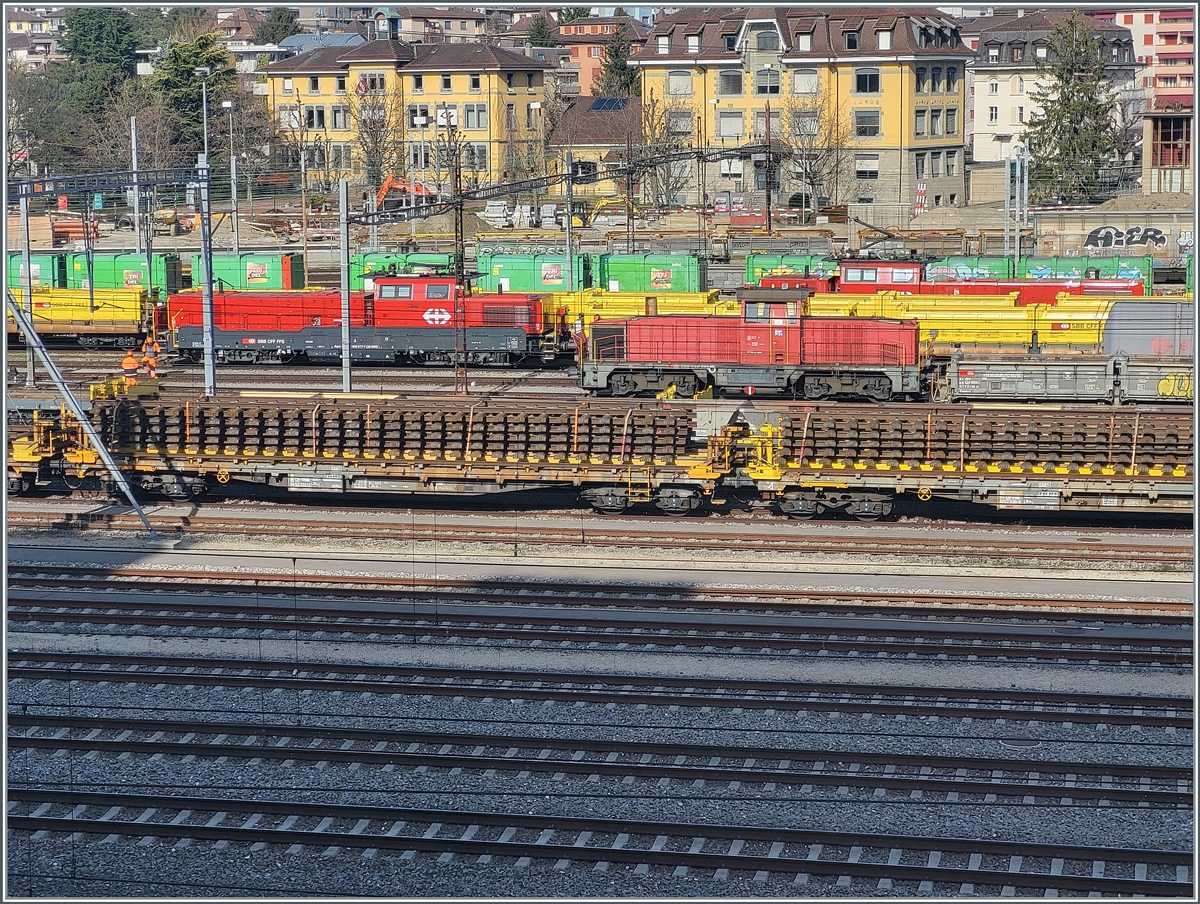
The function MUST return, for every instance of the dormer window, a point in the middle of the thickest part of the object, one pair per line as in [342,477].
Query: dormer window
[993,54]
[851,40]
[730,43]
[804,43]
[664,43]
[884,40]
[767,40]
[1018,53]
[693,44]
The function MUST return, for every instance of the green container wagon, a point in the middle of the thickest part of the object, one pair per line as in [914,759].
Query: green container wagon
[533,272]
[125,270]
[652,272]
[759,265]
[1087,268]
[961,268]
[253,270]
[49,270]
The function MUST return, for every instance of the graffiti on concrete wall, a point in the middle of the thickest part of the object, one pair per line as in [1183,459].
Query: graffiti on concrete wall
[1115,237]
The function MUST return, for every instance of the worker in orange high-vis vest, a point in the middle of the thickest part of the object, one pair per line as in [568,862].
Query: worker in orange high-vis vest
[130,367]
[151,349]
[151,367]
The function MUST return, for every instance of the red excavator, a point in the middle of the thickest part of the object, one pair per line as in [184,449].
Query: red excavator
[406,191]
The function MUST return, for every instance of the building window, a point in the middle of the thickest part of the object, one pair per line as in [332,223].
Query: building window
[951,121]
[866,81]
[341,84]
[883,40]
[993,54]
[939,83]
[1171,141]
[594,52]
[803,43]
[729,124]
[693,43]
[476,116]
[866,166]
[475,157]
[462,26]
[1020,116]
[851,40]
[446,116]
[919,165]
[1149,19]
[314,117]
[922,80]
[952,167]
[447,26]
[766,81]
[952,79]
[866,123]
[993,86]
[340,156]
[664,44]
[730,44]
[805,81]
[1018,52]
[418,154]
[287,86]
[679,122]
[340,117]
[767,40]
[993,115]
[418,84]
[679,83]
[1018,85]
[935,164]
[760,124]
[446,89]
[475,82]
[530,81]
[935,122]
[530,116]
[804,124]
[314,85]
[729,83]
[919,123]
[418,116]
[1040,52]
[510,117]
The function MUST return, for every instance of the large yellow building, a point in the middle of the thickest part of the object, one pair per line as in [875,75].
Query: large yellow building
[864,105]
[387,107]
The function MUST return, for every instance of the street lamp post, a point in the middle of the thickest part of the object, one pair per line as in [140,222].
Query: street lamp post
[204,72]
[228,105]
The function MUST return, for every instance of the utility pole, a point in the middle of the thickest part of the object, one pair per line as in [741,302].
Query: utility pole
[461,386]
[303,191]
[629,193]
[206,284]
[344,249]
[30,341]
[570,287]
[768,167]
[137,198]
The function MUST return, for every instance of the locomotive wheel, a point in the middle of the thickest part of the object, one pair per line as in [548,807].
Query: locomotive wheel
[19,485]
[623,384]
[816,389]
[879,391]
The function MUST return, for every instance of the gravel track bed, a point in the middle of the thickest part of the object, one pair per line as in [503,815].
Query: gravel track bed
[59,866]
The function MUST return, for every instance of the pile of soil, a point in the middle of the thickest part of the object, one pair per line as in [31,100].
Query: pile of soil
[1162,201]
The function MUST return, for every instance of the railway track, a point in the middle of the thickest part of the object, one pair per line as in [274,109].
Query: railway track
[927,864]
[685,535]
[879,776]
[887,701]
[406,591]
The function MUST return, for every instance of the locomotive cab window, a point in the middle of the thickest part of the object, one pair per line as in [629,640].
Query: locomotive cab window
[860,274]
[769,311]
[435,291]
[394,291]
[904,276]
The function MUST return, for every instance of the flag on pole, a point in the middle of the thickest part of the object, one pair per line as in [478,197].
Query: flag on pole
[362,86]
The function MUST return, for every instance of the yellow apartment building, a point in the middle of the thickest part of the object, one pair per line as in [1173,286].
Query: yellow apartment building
[387,107]
[864,105]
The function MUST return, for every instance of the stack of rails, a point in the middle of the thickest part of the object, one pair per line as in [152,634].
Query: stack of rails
[804,458]
[1039,459]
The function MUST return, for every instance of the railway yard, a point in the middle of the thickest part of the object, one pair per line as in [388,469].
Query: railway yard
[805,620]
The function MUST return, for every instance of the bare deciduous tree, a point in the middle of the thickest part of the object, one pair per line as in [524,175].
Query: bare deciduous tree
[816,142]
[666,130]
[379,120]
